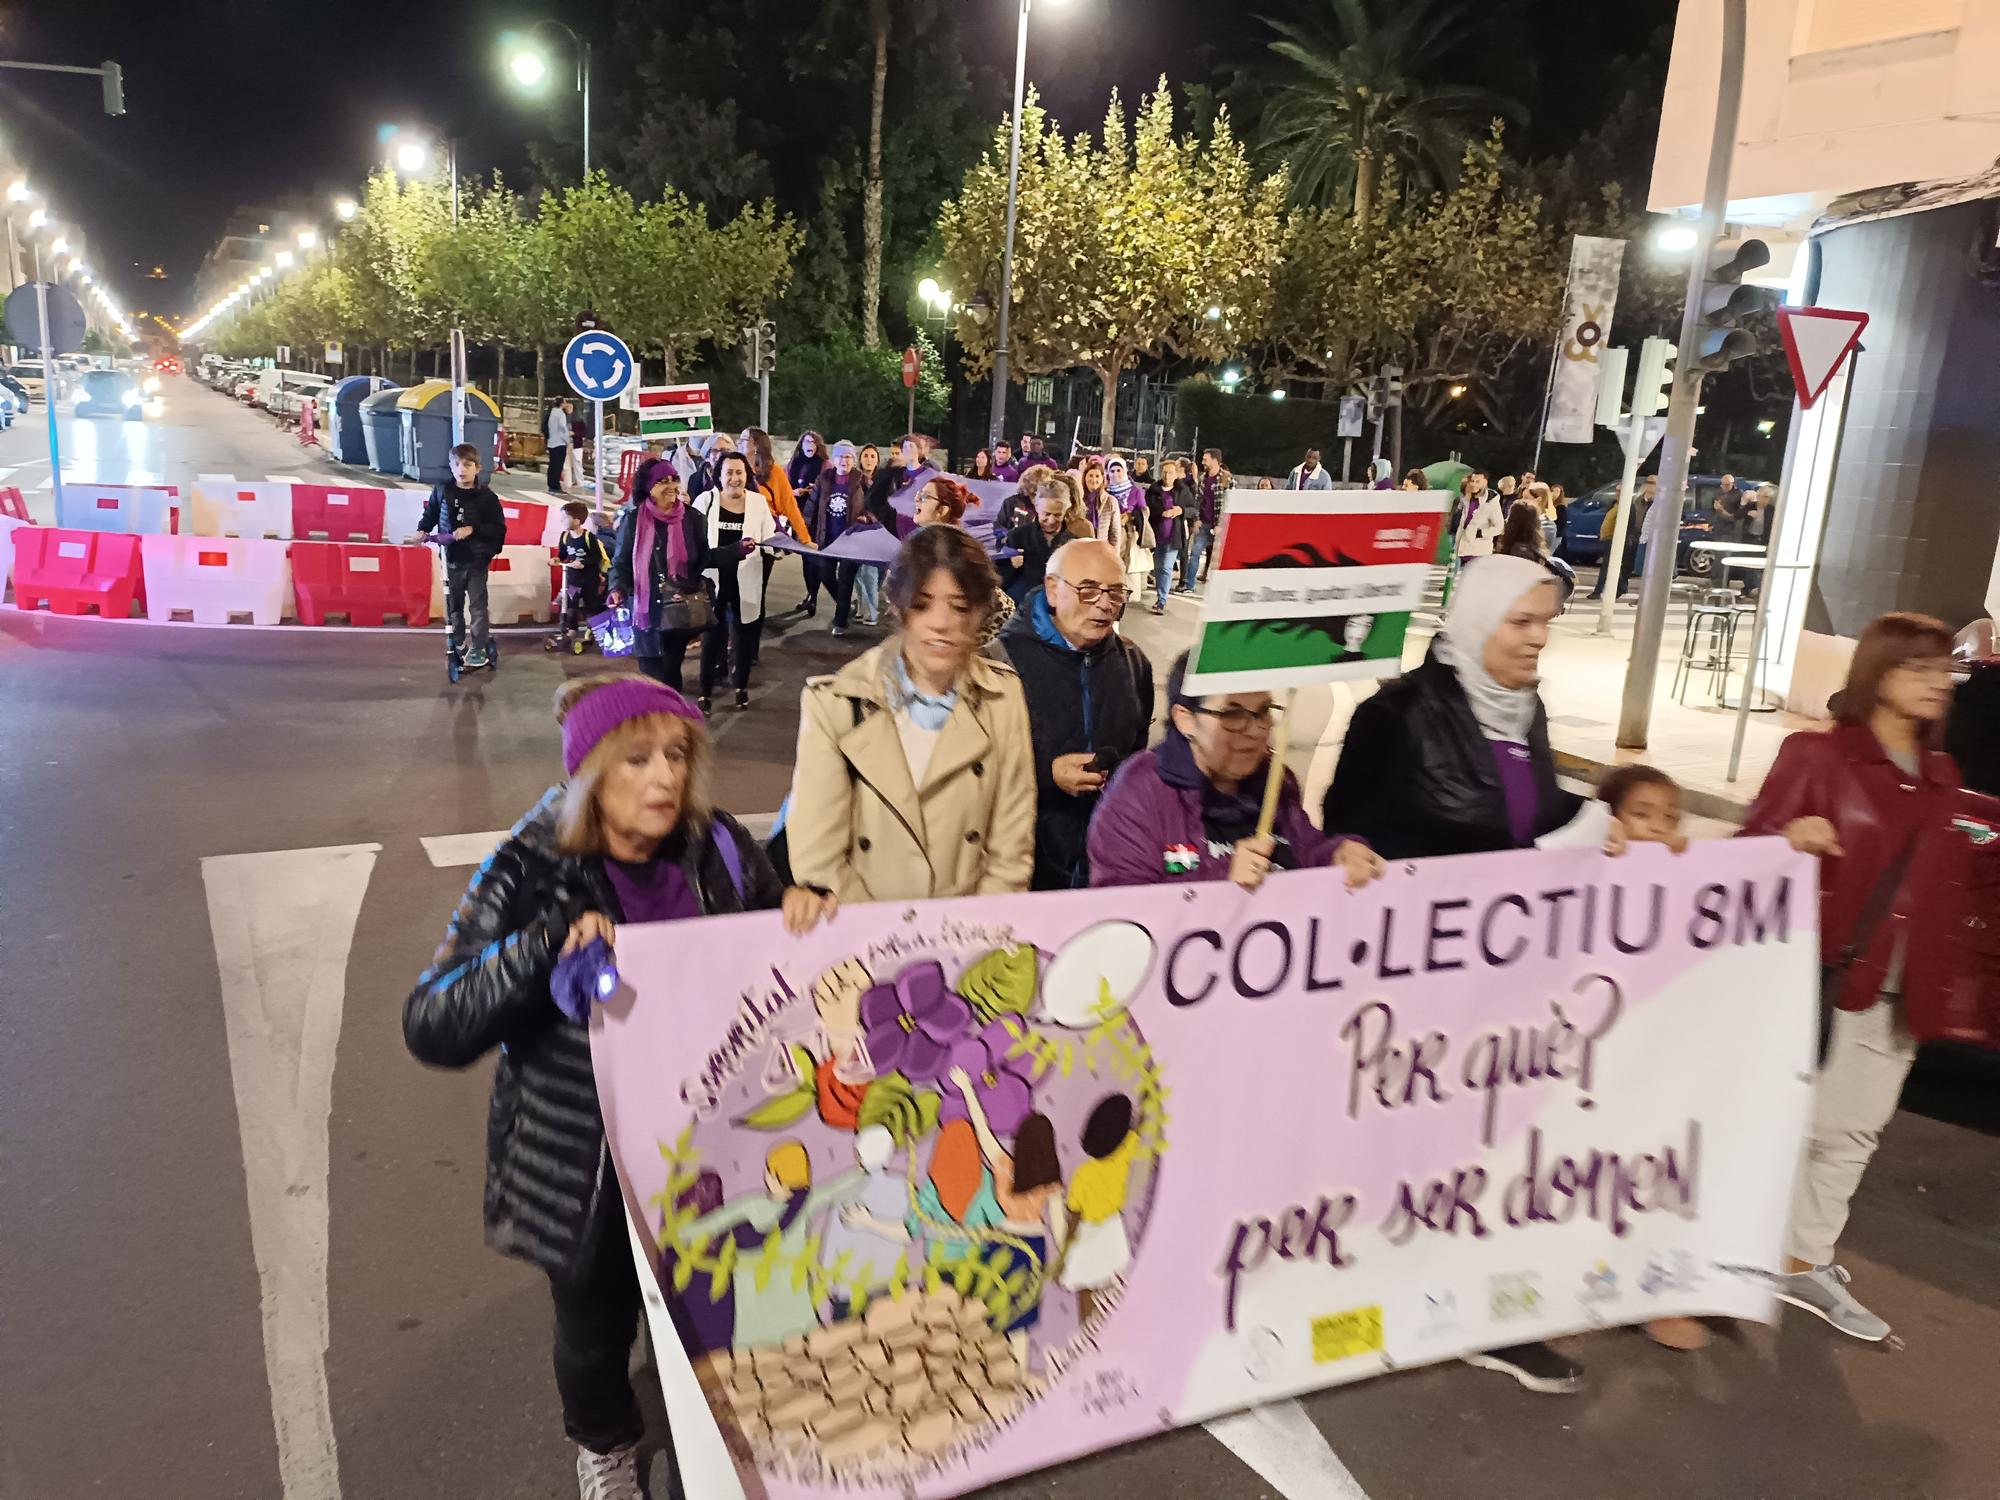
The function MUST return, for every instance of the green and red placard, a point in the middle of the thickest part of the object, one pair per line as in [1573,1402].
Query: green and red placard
[674,411]
[1313,586]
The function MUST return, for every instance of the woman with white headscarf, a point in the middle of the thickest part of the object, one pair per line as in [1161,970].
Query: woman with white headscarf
[1454,758]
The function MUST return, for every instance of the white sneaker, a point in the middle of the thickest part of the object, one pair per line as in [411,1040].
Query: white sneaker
[608,1476]
[1823,1292]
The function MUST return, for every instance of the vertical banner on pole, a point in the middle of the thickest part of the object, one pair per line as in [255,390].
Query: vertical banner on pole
[1594,264]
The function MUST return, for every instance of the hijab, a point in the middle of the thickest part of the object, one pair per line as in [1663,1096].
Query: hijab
[1118,480]
[1484,593]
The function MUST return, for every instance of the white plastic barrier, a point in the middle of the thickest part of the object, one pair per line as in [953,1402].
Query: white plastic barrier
[225,506]
[214,577]
[402,508]
[129,509]
[517,587]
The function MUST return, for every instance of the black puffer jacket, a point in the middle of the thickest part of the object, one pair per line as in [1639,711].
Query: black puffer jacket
[489,987]
[1079,702]
[1416,777]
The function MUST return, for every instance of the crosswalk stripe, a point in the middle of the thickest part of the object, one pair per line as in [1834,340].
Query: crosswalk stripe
[1280,1443]
[283,924]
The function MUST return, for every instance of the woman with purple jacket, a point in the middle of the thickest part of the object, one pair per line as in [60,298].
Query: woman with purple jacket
[1187,809]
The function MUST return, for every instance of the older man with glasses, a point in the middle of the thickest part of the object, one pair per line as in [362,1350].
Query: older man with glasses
[1090,699]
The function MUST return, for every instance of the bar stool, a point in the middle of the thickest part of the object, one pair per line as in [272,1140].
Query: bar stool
[1708,644]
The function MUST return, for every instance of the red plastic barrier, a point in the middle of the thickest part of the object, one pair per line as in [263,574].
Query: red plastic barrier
[365,582]
[337,513]
[74,572]
[628,470]
[13,503]
[527,522]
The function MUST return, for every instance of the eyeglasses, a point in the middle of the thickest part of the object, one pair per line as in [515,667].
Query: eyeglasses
[1237,719]
[1090,593]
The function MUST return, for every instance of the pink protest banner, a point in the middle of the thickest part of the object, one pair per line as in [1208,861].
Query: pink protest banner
[942,1193]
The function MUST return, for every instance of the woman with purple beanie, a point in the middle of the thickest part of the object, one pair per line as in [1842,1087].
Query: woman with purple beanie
[630,836]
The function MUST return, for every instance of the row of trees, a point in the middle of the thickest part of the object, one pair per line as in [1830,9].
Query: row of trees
[1144,242]
[515,274]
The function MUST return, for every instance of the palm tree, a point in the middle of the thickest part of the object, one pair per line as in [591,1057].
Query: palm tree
[1358,98]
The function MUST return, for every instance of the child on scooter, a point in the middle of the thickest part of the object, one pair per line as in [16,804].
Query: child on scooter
[467,513]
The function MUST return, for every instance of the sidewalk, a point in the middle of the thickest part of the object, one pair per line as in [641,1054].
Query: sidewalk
[1583,683]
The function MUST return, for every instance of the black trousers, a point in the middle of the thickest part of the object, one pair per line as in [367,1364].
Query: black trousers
[558,460]
[667,666]
[837,578]
[730,643]
[597,1318]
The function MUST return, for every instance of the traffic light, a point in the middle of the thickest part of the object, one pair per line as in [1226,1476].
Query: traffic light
[1726,304]
[114,89]
[1610,386]
[1653,386]
[760,348]
[1392,376]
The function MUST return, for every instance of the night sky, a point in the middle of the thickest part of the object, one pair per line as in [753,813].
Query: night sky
[236,101]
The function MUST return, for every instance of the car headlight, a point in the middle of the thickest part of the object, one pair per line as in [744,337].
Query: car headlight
[152,384]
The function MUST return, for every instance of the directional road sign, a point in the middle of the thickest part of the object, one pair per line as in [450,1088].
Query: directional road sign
[66,320]
[598,365]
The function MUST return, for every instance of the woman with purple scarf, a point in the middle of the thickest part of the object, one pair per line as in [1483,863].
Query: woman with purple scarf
[1187,809]
[658,561]
[1130,499]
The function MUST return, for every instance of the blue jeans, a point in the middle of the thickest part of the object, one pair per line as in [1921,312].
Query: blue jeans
[1164,558]
[1193,551]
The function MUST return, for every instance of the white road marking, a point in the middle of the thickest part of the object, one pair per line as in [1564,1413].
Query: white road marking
[283,924]
[1280,1442]
[449,851]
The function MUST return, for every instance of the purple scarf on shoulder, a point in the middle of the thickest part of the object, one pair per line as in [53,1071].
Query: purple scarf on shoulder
[650,515]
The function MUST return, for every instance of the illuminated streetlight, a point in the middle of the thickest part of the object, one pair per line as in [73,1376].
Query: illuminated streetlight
[1214,311]
[411,156]
[1278,394]
[928,289]
[1675,239]
[38,218]
[17,190]
[59,246]
[529,67]
[308,238]
[1456,392]
[1231,378]
[284,260]
[346,209]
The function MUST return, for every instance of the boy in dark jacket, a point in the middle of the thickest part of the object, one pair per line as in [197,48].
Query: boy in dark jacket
[585,562]
[469,513]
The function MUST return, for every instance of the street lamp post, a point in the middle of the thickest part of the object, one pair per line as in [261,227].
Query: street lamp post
[410,157]
[997,421]
[530,68]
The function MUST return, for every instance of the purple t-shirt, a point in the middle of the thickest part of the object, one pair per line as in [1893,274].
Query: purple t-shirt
[1517,784]
[656,891]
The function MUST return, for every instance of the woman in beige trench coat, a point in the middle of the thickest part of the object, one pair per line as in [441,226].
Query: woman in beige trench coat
[915,772]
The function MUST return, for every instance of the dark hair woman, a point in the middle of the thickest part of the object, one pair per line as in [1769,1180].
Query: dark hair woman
[915,774]
[1876,801]
[1415,479]
[739,519]
[1453,758]
[982,465]
[657,566]
[944,502]
[630,837]
[807,461]
[1187,809]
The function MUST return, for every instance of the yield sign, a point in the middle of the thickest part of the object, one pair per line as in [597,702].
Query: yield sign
[1817,339]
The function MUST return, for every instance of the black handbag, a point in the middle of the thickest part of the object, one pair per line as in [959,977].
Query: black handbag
[1833,975]
[682,609]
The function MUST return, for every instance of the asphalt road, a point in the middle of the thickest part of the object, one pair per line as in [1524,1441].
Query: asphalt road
[143,769]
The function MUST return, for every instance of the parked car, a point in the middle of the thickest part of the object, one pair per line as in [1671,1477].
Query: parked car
[111,393]
[31,377]
[1586,519]
[280,392]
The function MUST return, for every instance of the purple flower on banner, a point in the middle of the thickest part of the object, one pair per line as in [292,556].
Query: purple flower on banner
[1001,1083]
[912,1024]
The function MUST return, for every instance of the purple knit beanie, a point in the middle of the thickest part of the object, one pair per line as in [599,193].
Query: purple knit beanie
[602,710]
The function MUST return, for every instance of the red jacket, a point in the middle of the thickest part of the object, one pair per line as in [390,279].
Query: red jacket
[1844,776]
